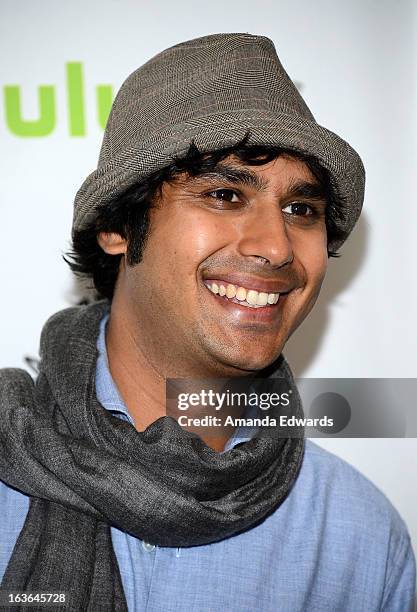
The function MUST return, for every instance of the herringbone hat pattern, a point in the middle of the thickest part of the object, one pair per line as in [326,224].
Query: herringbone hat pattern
[212,91]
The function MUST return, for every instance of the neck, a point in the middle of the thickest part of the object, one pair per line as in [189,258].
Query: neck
[140,376]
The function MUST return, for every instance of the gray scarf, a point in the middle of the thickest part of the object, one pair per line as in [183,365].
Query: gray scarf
[85,471]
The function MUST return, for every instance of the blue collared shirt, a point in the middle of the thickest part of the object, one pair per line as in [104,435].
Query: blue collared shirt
[336,544]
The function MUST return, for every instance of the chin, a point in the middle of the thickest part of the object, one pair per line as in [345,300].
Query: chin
[236,360]
[253,363]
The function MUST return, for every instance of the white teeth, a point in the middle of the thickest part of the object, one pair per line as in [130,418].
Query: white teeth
[262,299]
[252,297]
[241,294]
[248,297]
[230,291]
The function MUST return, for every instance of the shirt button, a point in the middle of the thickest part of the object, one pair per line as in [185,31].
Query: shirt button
[148,547]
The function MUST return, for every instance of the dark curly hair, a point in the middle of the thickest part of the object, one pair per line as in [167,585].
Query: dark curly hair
[128,215]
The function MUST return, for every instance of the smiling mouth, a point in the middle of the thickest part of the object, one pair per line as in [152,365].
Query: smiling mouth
[243,296]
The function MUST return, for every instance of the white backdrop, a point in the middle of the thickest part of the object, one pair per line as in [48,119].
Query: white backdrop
[356,64]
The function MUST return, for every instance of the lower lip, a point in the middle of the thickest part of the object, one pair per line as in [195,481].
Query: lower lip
[265,314]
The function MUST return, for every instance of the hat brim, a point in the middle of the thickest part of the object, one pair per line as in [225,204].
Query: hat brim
[221,130]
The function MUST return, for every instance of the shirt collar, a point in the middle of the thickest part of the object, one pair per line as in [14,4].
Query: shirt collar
[107,393]
[109,397]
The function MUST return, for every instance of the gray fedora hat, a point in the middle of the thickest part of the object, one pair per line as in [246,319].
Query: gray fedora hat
[212,91]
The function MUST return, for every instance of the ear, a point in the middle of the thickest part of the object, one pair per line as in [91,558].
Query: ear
[111,243]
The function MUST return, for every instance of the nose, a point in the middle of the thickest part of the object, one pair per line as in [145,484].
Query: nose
[264,234]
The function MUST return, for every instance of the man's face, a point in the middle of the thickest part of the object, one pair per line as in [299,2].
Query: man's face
[255,232]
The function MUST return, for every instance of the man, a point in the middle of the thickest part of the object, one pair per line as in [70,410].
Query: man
[207,227]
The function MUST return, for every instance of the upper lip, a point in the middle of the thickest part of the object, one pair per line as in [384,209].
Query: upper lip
[251,282]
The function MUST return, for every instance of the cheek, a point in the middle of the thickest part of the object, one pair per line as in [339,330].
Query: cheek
[315,261]
[311,261]
[311,251]
[185,240]
[318,263]
[311,256]
[179,242]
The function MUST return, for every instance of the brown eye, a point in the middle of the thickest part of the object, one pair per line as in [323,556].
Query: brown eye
[228,195]
[299,209]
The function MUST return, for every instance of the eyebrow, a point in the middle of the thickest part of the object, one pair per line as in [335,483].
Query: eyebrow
[242,176]
[307,189]
[237,176]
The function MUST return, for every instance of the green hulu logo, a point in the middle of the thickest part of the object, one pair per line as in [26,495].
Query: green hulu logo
[46,121]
